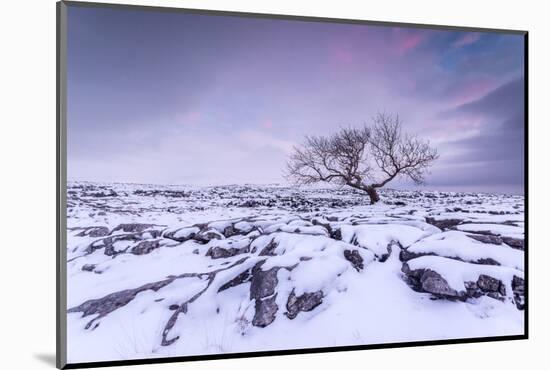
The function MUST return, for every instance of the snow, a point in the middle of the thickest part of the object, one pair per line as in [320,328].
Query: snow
[495,229]
[458,245]
[377,237]
[308,232]
[186,232]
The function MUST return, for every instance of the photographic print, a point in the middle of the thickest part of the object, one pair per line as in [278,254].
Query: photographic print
[254,184]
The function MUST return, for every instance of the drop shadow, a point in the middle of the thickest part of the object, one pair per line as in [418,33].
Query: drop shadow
[46,358]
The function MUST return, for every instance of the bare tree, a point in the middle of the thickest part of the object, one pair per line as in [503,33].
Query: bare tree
[365,158]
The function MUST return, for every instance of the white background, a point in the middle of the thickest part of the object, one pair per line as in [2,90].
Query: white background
[27,197]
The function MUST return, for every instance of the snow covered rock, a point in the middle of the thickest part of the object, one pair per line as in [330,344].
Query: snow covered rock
[459,246]
[443,224]
[132,228]
[183,234]
[452,279]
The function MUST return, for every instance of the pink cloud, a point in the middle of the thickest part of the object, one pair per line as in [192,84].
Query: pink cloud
[267,124]
[473,91]
[467,39]
[409,42]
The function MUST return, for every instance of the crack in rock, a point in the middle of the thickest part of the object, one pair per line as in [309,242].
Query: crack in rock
[406,255]
[184,306]
[487,239]
[444,223]
[111,302]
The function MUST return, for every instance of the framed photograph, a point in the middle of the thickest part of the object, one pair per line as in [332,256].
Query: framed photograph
[234,184]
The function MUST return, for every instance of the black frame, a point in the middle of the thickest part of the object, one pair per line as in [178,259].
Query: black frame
[61,182]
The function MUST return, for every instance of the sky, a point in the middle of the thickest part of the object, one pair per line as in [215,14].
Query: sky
[173,98]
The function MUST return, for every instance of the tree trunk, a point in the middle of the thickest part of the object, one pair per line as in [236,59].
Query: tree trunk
[373,194]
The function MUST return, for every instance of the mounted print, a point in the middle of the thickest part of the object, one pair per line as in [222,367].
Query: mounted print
[234,184]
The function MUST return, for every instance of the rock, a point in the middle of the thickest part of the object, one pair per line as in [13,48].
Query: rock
[266,310]
[304,303]
[514,242]
[384,257]
[433,283]
[263,282]
[229,231]
[487,239]
[336,234]
[496,296]
[518,288]
[103,306]
[165,193]
[428,281]
[355,258]
[145,247]
[101,194]
[243,277]
[132,228]
[443,224]
[108,244]
[250,204]
[88,267]
[472,290]
[95,232]
[486,261]
[262,290]
[206,236]
[219,252]
[183,234]
[489,284]
[269,250]
[486,285]
[405,255]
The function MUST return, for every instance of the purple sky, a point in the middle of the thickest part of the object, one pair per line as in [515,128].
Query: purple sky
[156,97]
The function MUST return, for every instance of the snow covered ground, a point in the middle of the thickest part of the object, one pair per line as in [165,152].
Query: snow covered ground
[156,271]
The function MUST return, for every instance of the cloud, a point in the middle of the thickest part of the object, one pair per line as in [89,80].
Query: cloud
[503,102]
[467,39]
[495,154]
[409,42]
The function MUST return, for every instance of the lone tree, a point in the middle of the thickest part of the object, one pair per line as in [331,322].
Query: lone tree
[365,158]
